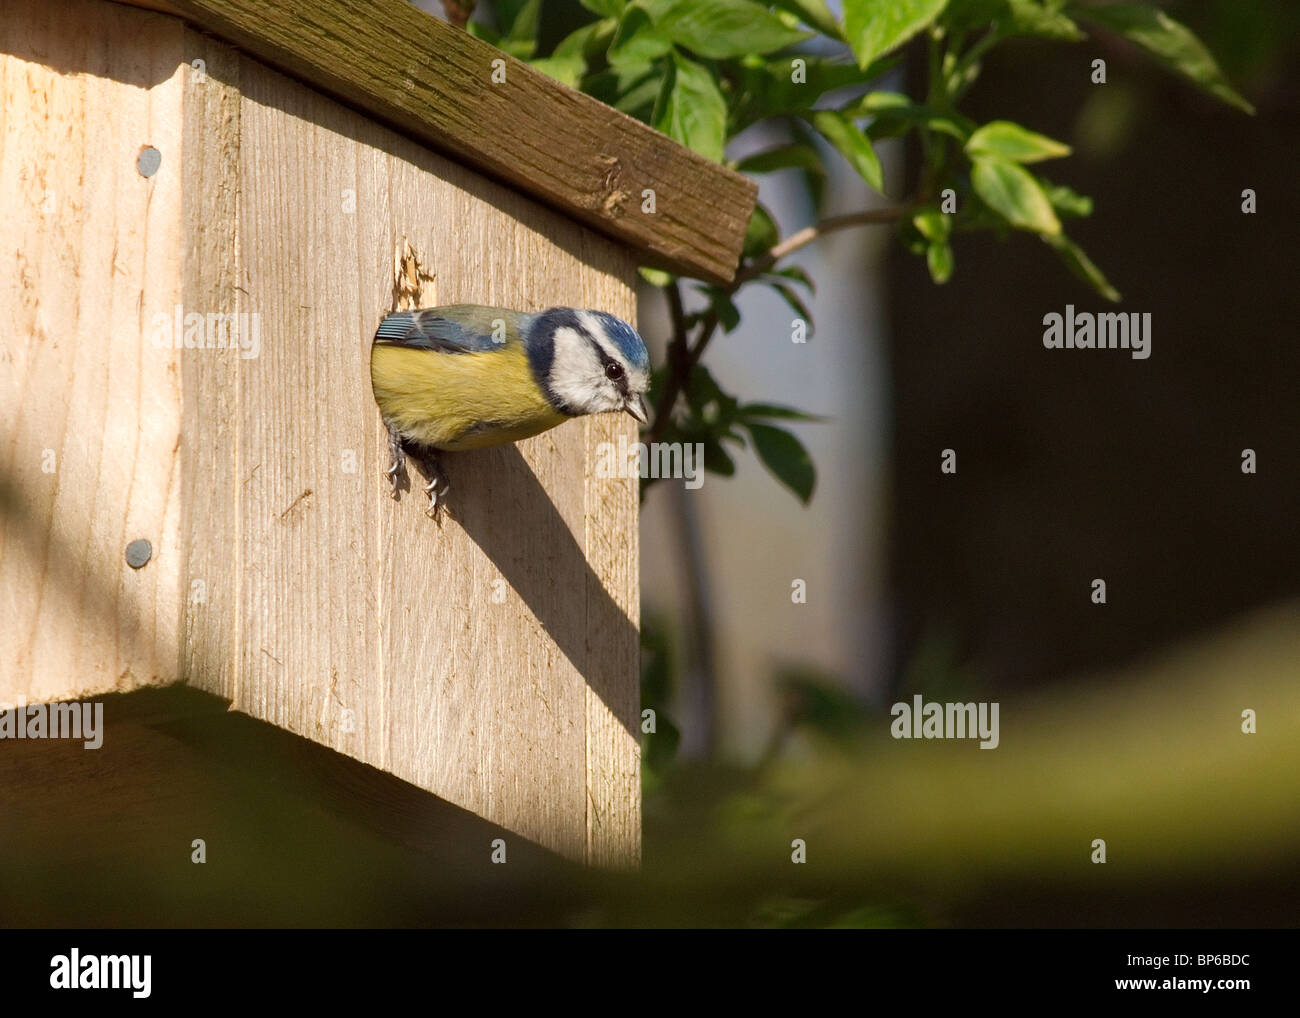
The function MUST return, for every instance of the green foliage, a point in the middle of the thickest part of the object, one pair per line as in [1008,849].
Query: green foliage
[703,71]
[874,27]
[1170,42]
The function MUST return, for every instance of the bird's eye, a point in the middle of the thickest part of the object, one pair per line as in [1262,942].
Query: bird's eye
[613,371]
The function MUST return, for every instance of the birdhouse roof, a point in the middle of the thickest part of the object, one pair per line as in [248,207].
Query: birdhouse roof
[434,83]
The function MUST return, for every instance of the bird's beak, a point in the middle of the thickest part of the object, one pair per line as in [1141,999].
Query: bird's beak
[635,406]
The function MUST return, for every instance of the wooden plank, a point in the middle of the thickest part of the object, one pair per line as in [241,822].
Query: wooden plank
[434,83]
[210,433]
[613,606]
[460,655]
[90,409]
[307,471]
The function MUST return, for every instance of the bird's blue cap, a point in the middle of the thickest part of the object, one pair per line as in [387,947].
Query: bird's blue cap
[626,338]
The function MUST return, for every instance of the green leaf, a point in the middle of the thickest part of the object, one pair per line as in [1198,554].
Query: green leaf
[1028,17]
[761,232]
[725,308]
[932,224]
[485,32]
[1011,191]
[1066,201]
[633,89]
[521,40]
[605,8]
[720,29]
[785,456]
[797,274]
[588,41]
[637,39]
[710,405]
[966,15]
[1172,44]
[566,70]
[813,13]
[892,110]
[1004,140]
[786,157]
[656,277]
[752,411]
[874,27]
[716,458]
[692,110]
[938,258]
[787,293]
[1082,266]
[851,143]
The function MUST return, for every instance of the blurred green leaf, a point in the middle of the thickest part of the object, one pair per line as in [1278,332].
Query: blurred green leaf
[656,277]
[787,293]
[794,272]
[762,88]
[851,143]
[716,459]
[637,39]
[785,456]
[721,304]
[1082,266]
[792,156]
[932,224]
[1012,192]
[487,33]
[1004,140]
[1067,202]
[893,112]
[875,27]
[815,14]
[725,28]
[763,411]
[588,41]
[520,40]
[1170,42]
[605,8]
[566,70]
[1044,21]
[762,232]
[938,259]
[691,109]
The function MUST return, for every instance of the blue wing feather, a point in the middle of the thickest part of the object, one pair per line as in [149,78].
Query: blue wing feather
[436,329]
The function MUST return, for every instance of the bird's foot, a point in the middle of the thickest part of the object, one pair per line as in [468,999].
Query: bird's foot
[436,489]
[397,469]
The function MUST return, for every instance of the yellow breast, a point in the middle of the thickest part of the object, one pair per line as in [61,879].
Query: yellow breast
[459,401]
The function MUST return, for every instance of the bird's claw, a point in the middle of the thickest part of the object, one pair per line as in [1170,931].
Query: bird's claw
[436,489]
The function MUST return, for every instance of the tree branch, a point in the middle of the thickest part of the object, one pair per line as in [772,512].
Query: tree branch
[682,356]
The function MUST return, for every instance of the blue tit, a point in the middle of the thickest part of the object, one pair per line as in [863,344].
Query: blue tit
[465,377]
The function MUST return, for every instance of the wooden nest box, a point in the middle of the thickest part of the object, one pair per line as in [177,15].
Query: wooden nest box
[209,206]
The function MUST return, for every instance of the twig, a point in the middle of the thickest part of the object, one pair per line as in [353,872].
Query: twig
[682,356]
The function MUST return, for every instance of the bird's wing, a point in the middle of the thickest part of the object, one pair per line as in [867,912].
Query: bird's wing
[454,329]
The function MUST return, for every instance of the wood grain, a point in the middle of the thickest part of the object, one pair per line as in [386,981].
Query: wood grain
[460,655]
[434,83]
[210,436]
[491,661]
[90,255]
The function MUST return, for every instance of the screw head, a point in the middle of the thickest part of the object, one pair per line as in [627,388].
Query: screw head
[138,553]
[148,161]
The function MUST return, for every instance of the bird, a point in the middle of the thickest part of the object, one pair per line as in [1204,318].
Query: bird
[465,376]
